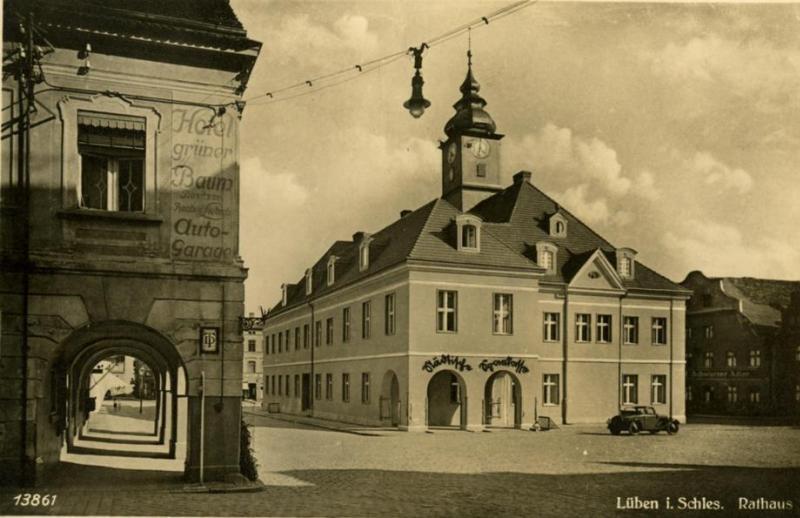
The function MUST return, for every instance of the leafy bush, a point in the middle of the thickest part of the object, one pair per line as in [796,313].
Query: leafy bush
[248,466]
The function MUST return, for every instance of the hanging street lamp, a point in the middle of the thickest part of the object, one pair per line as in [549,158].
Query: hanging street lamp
[417,103]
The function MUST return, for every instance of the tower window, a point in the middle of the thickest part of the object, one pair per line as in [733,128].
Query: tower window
[481,171]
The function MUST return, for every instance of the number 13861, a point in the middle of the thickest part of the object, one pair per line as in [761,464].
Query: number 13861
[34,500]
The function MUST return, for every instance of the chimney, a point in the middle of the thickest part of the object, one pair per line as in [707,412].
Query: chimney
[360,236]
[405,212]
[523,176]
[251,314]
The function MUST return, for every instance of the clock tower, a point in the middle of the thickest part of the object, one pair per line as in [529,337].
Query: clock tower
[471,153]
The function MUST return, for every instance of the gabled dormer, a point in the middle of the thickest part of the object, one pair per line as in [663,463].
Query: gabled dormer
[547,256]
[309,281]
[284,294]
[626,263]
[362,240]
[330,270]
[558,224]
[468,233]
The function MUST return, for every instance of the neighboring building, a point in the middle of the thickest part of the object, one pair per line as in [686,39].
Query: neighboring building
[742,355]
[126,242]
[491,305]
[253,358]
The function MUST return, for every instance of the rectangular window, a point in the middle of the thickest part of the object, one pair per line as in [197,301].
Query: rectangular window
[112,157]
[286,379]
[583,327]
[552,327]
[550,387]
[455,390]
[603,329]
[502,321]
[251,346]
[296,338]
[296,385]
[251,367]
[688,393]
[733,394]
[280,384]
[708,360]
[273,385]
[730,359]
[266,384]
[318,386]
[658,389]
[659,331]
[317,333]
[287,340]
[266,346]
[389,314]
[346,325]
[709,330]
[280,342]
[329,331]
[630,389]
[366,315]
[797,393]
[688,333]
[346,387]
[305,336]
[481,170]
[365,387]
[630,330]
[446,311]
[274,341]
[329,386]
[755,395]
[755,358]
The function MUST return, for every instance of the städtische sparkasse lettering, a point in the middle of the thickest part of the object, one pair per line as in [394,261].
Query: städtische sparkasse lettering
[486,365]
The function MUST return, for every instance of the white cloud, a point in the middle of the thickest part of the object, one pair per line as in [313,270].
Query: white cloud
[594,211]
[645,186]
[755,69]
[716,172]
[568,158]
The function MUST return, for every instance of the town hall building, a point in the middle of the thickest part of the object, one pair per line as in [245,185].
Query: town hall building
[491,305]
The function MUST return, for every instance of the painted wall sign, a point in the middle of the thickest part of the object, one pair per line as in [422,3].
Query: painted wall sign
[209,340]
[456,362]
[721,374]
[517,364]
[204,183]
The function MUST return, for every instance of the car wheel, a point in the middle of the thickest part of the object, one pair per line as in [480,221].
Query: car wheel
[614,430]
[633,429]
[672,428]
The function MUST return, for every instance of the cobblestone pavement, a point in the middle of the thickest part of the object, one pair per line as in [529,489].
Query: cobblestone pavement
[579,470]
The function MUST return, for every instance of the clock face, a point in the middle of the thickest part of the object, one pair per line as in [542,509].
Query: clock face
[481,148]
[451,153]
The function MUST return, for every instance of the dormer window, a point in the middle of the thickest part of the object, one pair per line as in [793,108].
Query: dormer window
[626,262]
[331,270]
[309,281]
[546,254]
[558,225]
[284,294]
[468,233]
[362,239]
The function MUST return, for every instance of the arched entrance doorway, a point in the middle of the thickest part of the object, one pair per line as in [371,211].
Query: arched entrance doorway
[86,361]
[503,401]
[390,399]
[447,400]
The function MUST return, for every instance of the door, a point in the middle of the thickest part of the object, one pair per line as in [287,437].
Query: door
[306,400]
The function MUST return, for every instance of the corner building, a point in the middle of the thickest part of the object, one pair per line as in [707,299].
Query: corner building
[131,224]
[489,306]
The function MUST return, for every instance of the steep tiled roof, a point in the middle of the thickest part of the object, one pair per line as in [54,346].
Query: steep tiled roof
[514,220]
[760,300]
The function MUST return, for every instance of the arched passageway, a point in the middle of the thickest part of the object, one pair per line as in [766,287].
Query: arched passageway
[503,400]
[120,426]
[447,400]
[390,399]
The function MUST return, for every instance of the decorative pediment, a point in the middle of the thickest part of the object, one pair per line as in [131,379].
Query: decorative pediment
[597,275]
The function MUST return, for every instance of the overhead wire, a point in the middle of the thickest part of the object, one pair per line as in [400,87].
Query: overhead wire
[357,70]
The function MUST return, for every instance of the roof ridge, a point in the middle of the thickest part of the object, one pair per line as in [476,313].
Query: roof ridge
[579,220]
[433,204]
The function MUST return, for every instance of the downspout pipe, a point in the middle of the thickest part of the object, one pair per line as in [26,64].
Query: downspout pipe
[565,354]
[312,341]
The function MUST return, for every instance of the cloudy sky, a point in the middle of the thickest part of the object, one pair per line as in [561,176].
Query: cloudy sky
[670,128]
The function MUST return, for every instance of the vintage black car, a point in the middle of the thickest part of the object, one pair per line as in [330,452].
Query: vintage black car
[637,419]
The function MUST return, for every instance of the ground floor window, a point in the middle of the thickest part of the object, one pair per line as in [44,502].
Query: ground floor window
[689,393]
[630,389]
[797,393]
[550,394]
[346,387]
[455,389]
[273,385]
[329,386]
[280,385]
[287,385]
[708,394]
[658,389]
[733,394]
[318,386]
[755,395]
[296,385]
[266,380]
[365,387]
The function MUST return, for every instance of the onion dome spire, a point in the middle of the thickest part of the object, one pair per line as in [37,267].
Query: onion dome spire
[470,114]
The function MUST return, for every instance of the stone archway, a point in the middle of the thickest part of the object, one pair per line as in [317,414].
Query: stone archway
[447,400]
[503,400]
[72,373]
